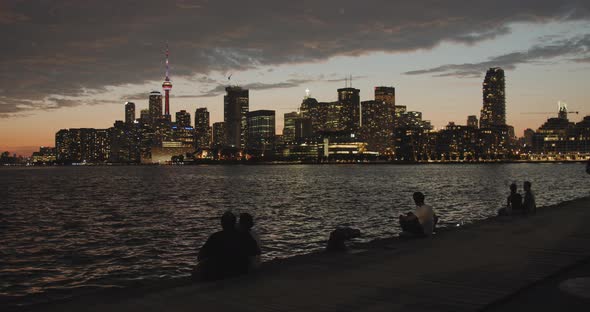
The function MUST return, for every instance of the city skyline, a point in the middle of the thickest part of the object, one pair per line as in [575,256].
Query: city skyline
[544,55]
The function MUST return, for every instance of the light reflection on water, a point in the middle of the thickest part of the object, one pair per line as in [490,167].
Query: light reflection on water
[71,228]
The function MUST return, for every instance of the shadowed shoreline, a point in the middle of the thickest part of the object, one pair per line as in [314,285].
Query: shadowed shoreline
[504,252]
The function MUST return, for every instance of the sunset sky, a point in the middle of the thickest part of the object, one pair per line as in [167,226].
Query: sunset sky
[72,64]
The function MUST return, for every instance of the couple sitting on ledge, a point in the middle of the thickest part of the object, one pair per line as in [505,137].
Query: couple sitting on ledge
[421,222]
[233,251]
[515,204]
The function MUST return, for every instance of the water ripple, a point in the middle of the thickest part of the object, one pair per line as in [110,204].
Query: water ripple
[72,230]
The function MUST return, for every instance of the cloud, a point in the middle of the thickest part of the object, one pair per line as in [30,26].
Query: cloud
[63,47]
[582,60]
[577,46]
[22,107]
[220,88]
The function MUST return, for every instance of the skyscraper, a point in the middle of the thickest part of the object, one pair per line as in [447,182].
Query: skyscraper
[289,126]
[183,119]
[167,86]
[144,116]
[348,109]
[261,129]
[385,95]
[377,125]
[202,128]
[378,119]
[235,108]
[129,112]
[155,106]
[472,121]
[218,135]
[317,112]
[493,112]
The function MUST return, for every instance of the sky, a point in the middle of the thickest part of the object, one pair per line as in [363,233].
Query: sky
[73,64]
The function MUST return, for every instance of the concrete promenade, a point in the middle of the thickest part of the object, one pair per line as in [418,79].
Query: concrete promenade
[472,268]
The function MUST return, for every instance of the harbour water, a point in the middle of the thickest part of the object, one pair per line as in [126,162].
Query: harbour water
[65,230]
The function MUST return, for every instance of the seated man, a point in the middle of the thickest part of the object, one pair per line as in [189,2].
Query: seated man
[246,226]
[514,203]
[422,221]
[226,253]
[529,205]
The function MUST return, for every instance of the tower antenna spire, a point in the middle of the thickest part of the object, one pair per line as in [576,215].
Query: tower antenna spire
[167,63]
[167,85]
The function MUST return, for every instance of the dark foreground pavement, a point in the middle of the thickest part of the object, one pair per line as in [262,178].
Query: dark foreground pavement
[480,266]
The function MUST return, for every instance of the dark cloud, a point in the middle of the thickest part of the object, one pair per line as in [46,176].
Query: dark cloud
[578,46]
[66,47]
[220,88]
[21,107]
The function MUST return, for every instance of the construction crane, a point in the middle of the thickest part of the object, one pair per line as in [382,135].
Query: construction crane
[561,111]
[547,113]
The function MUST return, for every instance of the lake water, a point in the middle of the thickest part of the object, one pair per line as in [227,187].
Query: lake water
[69,229]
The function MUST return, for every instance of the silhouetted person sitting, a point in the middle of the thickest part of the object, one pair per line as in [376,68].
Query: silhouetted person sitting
[339,236]
[530,205]
[246,224]
[225,254]
[514,203]
[421,222]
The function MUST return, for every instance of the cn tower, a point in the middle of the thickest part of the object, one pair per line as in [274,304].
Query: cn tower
[167,86]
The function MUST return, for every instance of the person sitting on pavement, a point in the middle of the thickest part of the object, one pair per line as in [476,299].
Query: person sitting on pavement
[421,222]
[246,224]
[514,203]
[226,253]
[338,237]
[529,205]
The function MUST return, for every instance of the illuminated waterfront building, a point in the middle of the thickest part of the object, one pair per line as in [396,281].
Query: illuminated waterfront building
[582,135]
[386,95]
[44,155]
[129,112]
[202,128]
[413,119]
[456,142]
[125,143]
[496,142]
[377,125]
[493,112]
[144,116]
[289,126]
[345,113]
[556,135]
[183,119]
[235,107]
[218,135]
[102,145]
[82,145]
[182,136]
[261,130]
[377,120]
[303,129]
[155,107]
[316,112]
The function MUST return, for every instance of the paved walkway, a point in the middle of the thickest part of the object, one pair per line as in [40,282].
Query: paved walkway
[459,270]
